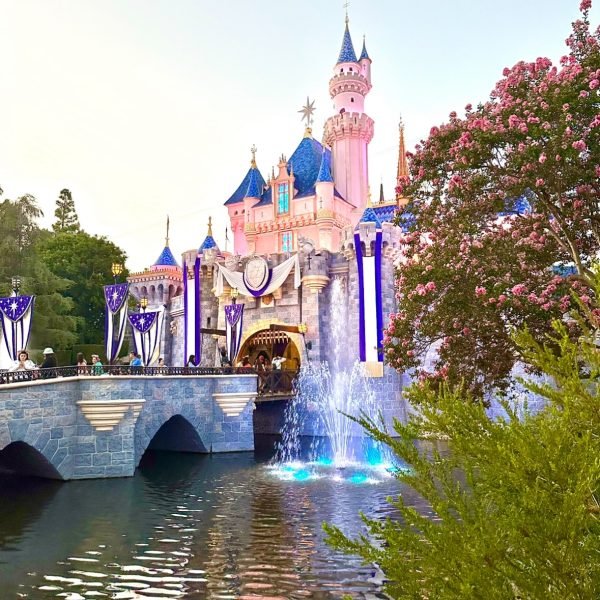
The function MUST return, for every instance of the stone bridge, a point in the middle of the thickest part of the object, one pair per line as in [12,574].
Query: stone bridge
[95,427]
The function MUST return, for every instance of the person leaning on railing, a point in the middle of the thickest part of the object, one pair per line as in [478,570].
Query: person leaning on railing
[97,367]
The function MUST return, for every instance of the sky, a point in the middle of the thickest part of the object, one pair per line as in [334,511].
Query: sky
[148,108]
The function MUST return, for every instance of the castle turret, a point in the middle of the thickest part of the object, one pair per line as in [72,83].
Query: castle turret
[240,206]
[324,190]
[350,130]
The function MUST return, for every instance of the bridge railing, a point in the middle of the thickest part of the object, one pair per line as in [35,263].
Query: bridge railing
[276,382]
[96,371]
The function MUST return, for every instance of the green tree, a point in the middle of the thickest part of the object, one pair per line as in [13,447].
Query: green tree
[65,213]
[53,324]
[514,506]
[86,261]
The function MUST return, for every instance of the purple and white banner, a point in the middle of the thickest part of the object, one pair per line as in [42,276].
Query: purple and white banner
[234,316]
[147,334]
[115,318]
[370,301]
[192,345]
[16,313]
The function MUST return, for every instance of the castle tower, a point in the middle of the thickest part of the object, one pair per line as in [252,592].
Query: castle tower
[350,130]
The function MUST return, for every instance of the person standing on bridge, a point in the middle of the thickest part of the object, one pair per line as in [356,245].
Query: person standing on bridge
[49,365]
[23,363]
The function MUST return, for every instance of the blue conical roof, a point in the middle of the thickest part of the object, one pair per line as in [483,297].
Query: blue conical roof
[364,54]
[347,53]
[209,242]
[166,259]
[370,216]
[324,169]
[251,187]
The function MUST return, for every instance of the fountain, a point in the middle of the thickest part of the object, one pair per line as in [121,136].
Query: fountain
[326,395]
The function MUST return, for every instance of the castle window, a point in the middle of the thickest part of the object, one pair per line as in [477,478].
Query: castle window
[351,99]
[350,69]
[283,198]
[287,241]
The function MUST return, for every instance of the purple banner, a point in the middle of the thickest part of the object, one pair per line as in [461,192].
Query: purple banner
[14,307]
[115,295]
[142,321]
[233,312]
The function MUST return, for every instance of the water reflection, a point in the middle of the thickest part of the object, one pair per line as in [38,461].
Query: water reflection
[186,526]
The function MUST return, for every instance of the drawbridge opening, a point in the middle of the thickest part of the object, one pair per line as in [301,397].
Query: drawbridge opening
[19,458]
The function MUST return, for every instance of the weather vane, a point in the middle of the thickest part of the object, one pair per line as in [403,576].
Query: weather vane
[253,150]
[307,111]
[345,5]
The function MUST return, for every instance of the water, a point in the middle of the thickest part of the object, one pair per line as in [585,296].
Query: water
[186,526]
[326,395]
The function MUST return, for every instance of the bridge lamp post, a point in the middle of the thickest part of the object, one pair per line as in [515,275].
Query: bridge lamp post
[234,294]
[117,269]
[144,303]
[15,282]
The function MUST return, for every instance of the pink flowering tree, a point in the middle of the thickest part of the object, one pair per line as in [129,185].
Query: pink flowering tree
[501,197]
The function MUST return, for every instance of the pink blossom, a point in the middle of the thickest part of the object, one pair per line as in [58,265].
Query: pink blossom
[584,94]
[519,289]
[539,182]
[480,291]
[579,145]
[542,158]
[594,83]
[430,286]
[502,298]
[585,5]
[585,299]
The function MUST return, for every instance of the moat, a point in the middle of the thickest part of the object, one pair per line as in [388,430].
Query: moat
[186,526]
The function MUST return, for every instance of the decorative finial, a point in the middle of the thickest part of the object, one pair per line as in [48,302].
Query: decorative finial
[253,161]
[369,203]
[209,227]
[401,123]
[167,238]
[307,111]
[345,5]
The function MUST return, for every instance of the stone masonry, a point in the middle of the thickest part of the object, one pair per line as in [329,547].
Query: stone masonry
[61,428]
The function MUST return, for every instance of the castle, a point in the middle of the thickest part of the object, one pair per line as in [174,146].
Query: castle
[316,205]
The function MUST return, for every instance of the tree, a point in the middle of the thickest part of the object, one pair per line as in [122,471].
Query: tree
[65,213]
[86,261]
[53,325]
[506,219]
[514,503]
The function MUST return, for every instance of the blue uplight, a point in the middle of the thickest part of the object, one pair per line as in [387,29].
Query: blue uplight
[324,461]
[358,478]
[302,475]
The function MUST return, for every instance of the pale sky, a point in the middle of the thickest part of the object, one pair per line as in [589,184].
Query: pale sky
[144,108]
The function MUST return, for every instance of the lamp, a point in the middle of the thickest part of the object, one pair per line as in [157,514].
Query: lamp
[302,328]
[16,284]
[234,294]
[117,269]
[144,303]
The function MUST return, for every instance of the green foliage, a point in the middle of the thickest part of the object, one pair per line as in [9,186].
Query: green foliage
[65,213]
[514,502]
[86,261]
[53,322]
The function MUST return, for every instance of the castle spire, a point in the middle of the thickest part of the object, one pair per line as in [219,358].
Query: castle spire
[209,233]
[253,161]
[347,53]
[402,163]
[364,53]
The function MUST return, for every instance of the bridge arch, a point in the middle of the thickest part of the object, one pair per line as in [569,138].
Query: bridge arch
[175,433]
[23,459]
